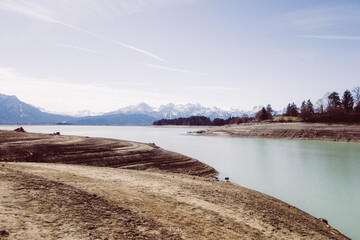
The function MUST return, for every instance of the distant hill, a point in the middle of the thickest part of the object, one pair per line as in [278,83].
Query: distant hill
[14,111]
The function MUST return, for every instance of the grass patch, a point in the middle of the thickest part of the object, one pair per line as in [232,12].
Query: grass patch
[286,119]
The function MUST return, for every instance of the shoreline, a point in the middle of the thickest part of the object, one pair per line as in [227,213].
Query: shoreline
[137,199]
[53,148]
[294,131]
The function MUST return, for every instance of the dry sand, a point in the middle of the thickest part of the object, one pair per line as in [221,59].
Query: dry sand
[305,131]
[57,201]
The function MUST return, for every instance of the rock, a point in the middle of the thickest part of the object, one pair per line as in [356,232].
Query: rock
[324,220]
[20,129]
[4,233]
[153,145]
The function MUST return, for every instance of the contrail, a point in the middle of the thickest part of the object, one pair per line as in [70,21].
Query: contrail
[170,69]
[333,37]
[11,6]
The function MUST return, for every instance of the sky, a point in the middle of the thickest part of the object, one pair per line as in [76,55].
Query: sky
[66,56]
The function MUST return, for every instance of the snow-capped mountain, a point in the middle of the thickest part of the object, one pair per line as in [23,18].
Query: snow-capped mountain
[14,111]
[81,113]
[171,111]
[141,108]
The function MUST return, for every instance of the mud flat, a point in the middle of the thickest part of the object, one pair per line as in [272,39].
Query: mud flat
[101,152]
[54,200]
[306,131]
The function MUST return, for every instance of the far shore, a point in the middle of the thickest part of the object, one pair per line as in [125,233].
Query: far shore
[335,132]
[179,126]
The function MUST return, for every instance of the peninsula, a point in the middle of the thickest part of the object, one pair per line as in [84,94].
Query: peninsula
[113,189]
[295,130]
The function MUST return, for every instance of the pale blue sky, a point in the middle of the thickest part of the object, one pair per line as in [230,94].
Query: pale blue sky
[101,55]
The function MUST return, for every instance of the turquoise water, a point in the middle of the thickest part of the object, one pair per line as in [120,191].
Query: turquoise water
[321,178]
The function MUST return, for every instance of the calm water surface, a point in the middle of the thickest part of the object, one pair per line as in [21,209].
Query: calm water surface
[321,178]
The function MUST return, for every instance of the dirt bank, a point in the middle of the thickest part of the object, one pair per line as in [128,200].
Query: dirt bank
[131,191]
[57,201]
[306,131]
[31,147]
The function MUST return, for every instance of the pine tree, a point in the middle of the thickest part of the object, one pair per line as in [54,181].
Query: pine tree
[303,107]
[310,106]
[307,110]
[291,110]
[347,101]
[288,109]
[264,113]
[334,100]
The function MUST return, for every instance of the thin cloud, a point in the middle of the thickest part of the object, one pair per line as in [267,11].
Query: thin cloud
[82,49]
[323,16]
[133,48]
[70,96]
[228,89]
[11,75]
[14,7]
[333,37]
[170,69]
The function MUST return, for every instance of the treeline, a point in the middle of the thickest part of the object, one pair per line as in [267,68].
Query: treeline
[330,108]
[202,121]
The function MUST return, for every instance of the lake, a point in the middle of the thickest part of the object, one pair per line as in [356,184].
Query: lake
[321,178]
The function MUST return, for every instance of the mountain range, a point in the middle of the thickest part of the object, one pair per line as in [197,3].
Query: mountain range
[14,111]
[171,111]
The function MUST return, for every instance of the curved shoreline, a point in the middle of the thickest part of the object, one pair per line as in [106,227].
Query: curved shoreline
[101,152]
[150,195]
[299,131]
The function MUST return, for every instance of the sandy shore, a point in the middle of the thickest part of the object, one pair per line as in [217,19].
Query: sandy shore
[305,131]
[151,200]
[57,201]
[102,152]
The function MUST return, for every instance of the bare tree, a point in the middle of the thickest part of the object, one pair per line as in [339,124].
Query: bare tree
[322,103]
[356,95]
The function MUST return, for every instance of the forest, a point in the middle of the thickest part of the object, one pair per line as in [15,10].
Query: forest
[330,108]
[195,121]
